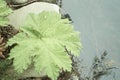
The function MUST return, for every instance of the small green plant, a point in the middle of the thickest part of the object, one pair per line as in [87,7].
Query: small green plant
[43,40]
[4,12]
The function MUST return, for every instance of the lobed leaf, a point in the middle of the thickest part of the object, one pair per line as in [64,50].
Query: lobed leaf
[3,21]
[43,41]
[4,12]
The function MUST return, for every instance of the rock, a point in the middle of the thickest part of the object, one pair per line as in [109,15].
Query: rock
[19,1]
[17,18]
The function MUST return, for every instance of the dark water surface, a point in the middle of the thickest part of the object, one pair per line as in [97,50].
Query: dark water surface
[99,24]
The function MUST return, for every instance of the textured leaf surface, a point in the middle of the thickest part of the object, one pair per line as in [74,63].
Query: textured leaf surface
[3,21]
[4,11]
[43,41]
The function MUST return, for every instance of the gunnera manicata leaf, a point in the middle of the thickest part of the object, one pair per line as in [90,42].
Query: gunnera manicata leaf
[4,12]
[43,40]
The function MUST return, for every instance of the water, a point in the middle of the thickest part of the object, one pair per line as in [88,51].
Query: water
[99,24]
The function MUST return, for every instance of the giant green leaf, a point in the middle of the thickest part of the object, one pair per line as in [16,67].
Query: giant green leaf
[4,11]
[43,40]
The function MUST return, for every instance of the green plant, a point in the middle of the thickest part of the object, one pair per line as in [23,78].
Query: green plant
[43,40]
[4,12]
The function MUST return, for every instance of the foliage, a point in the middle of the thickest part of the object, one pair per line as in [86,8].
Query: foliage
[4,65]
[43,40]
[4,11]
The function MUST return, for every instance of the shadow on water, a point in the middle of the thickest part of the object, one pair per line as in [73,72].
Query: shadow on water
[98,22]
